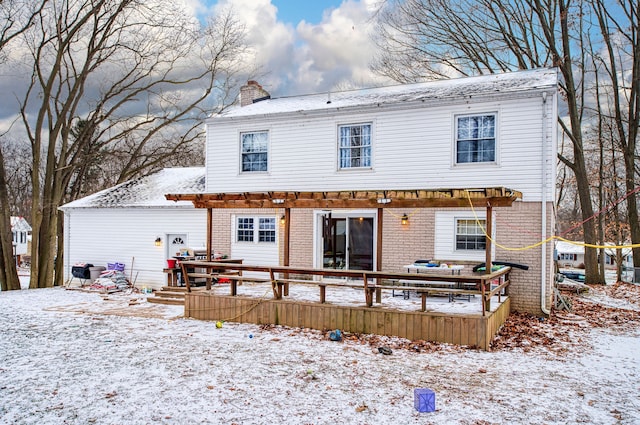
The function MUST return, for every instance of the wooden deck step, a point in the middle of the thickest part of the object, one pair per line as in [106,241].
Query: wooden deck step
[169,294]
[165,300]
[172,295]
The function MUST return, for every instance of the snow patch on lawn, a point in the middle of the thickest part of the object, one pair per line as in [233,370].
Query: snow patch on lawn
[60,363]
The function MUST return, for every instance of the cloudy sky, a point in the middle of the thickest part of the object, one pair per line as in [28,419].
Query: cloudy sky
[306,46]
[299,47]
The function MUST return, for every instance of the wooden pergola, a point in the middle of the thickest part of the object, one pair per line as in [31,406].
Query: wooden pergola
[353,199]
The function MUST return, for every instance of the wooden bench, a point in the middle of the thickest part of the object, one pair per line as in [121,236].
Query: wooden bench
[423,285]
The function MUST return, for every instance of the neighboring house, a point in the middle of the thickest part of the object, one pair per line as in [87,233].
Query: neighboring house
[571,255]
[134,224]
[479,132]
[21,231]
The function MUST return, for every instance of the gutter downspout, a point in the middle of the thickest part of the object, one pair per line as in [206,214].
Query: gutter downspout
[543,272]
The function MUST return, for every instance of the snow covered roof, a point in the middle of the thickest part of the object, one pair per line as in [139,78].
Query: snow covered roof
[19,224]
[570,248]
[147,191]
[467,87]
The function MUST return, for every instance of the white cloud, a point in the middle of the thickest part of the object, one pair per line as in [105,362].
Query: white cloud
[310,58]
[271,42]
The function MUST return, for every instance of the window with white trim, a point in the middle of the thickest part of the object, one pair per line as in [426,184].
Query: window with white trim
[254,151]
[568,257]
[264,232]
[244,229]
[470,235]
[475,138]
[354,145]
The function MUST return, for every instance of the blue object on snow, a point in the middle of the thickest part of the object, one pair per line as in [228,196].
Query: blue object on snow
[335,335]
[424,400]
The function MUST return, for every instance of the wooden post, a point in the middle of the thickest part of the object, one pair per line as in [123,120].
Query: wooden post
[208,243]
[379,254]
[482,295]
[489,229]
[275,285]
[185,277]
[287,236]
[209,233]
[368,292]
[488,265]
[287,242]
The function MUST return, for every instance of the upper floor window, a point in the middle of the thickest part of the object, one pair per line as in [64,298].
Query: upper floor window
[476,138]
[254,151]
[355,145]
[247,231]
[470,234]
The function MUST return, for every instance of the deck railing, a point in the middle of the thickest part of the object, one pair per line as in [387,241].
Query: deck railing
[372,282]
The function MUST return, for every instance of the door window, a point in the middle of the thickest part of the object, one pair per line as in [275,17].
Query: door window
[347,242]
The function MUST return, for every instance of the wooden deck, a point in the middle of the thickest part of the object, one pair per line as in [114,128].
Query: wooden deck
[464,329]
[471,329]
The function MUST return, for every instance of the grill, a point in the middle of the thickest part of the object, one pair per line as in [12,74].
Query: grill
[81,272]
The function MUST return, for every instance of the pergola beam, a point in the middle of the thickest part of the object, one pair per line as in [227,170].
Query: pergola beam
[421,198]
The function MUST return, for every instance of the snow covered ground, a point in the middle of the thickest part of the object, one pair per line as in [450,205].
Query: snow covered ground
[76,358]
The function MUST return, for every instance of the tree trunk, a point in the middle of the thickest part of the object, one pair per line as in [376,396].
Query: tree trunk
[8,272]
[632,208]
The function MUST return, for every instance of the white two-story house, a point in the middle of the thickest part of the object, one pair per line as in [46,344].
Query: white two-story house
[468,133]
[493,131]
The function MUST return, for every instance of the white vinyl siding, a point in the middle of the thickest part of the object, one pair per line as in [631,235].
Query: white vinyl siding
[411,148]
[127,235]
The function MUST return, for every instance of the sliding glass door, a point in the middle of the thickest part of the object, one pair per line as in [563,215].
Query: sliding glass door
[347,242]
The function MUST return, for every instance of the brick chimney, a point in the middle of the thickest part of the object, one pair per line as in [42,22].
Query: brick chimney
[252,92]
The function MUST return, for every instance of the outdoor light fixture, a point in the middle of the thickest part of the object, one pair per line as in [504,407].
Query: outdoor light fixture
[283,220]
[278,201]
[158,241]
[404,219]
[384,200]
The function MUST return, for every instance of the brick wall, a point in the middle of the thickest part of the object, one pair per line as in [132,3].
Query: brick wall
[515,227]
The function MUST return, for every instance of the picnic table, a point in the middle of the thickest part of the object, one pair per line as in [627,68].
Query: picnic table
[424,268]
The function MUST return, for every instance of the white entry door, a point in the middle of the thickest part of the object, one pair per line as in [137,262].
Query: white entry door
[176,242]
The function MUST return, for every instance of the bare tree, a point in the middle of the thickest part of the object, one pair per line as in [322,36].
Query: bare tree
[427,39]
[125,82]
[16,17]
[619,63]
